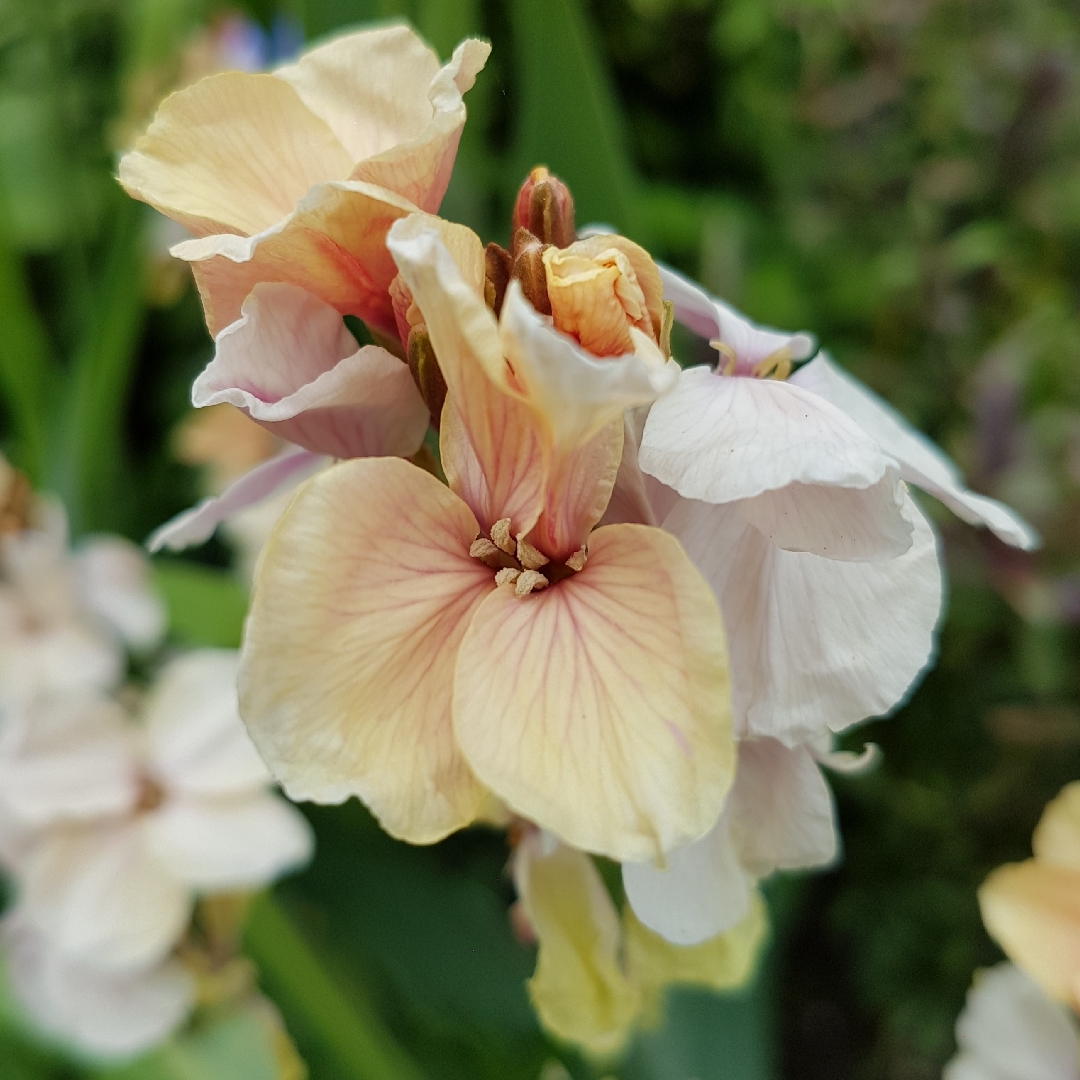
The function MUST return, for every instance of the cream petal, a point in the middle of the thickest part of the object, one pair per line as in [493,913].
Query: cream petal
[232,153]
[67,757]
[197,524]
[195,740]
[579,990]
[1010,1031]
[107,1014]
[921,462]
[222,845]
[701,890]
[780,809]
[361,598]
[99,897]
[332,244]
[1057,836]
[598,708]
[819,643]
[290,363]
[114,582]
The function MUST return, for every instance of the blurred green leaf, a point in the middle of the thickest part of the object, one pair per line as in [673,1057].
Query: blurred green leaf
[206,606]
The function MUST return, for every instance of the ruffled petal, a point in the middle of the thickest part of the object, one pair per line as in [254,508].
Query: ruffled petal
[921,462]
[362,596]
[332,244]
[68,757]
[700,891]
[102,1013]
[817,643]
[579,990]
[1057,836]
[195,740]
[101,899]
[290,363]
[232,153]
[221,845]
[598,708]
[196,525]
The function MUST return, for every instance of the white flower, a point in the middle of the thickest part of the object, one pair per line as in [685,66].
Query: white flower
[1010,1031]
[128,825]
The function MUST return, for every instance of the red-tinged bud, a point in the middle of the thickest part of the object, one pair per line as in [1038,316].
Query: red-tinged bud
[529,269]
[497,268]
[426,372]
[545,207]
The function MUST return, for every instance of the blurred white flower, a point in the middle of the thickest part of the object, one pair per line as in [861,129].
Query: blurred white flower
[1009,1030]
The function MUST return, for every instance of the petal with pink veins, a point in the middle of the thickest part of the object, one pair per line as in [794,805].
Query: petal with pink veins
[598,708]
[361,599]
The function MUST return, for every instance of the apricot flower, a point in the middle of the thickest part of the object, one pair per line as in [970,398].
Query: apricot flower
[420,645]
[296,175]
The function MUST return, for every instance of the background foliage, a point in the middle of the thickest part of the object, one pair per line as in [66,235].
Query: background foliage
[902,177]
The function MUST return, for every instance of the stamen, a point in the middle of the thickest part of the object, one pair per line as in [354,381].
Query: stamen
[507,576]
[776,365]
[728,359]
[483,549]
[529,581]
[500,533]
[577,561]
[530,557]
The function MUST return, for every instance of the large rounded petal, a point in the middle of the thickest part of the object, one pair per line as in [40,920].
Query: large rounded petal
[361,599]
[1057,836]
[599,707]
[100,898]
[290,363]
[816,643]
[232,153]
[923,464]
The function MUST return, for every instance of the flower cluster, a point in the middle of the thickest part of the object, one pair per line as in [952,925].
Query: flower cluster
[111,824]
[628,607]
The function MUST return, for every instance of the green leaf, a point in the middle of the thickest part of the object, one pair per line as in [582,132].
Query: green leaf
[206,606]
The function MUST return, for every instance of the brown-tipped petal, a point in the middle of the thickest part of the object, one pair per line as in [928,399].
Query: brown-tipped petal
[497,265]
[530,271]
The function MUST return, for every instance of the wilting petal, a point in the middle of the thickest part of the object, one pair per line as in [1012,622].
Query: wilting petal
[102,1013]
[67,757]
[361,599]
[1010,1031]
[710,318]
[491,450]
[332,245]
[114,582]
[921,462]
[197,525]
[1032,910]
[195,740]
[817,643]
[701,890]
[578,989]
[100,898]
[290,363]
[780,809]
[232,153]
[221,845]
[598,708]
[1057,836]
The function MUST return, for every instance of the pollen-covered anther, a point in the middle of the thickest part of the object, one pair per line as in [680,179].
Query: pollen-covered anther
[577,560]
[529,581]
[529,557]
[500,533]
[483,549]
[508,575]
[777,365]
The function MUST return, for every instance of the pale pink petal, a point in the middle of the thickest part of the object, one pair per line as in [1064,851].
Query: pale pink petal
[598,708]
[360,601]
[921,462]
[70,658]
[222,845]
[68,757]
[815,643]
[196,742]
[100,898]
[196,525]
[106,1014]
[114,582]
[290,363]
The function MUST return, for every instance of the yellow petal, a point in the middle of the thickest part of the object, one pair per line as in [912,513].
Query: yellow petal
[1032,911]
[721,963]
[599,708]
[1057,836]
[361,598]
[333,245]
[233,153]
[579,991]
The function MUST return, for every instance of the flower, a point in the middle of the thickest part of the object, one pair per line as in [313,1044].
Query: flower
[1032,909]
[1010,1031]
[295,175]
[598,975]
[421,645]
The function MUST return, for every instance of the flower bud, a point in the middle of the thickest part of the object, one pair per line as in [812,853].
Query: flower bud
[426,372]
[545,207]
[497,269]
[529,269]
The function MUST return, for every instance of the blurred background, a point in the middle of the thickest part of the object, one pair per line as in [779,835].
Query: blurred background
[902,178]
